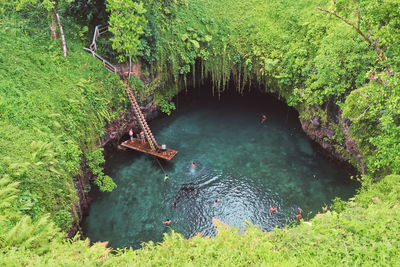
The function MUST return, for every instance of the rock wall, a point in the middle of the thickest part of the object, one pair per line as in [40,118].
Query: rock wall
[118,129]
[333,135]
[81,207]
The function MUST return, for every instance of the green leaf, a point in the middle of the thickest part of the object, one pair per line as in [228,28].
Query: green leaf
[207,38]
[196,44]
[184,36]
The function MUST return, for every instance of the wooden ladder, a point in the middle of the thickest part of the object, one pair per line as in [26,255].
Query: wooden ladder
[139,115]
[142,122]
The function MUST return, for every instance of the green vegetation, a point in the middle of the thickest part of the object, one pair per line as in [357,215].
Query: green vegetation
[308,57]
[126,23]
[53,110]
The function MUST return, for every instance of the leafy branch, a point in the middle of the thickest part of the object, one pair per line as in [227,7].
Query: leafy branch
[357,28]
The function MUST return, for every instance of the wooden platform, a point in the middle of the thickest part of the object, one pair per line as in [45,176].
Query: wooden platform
[145,147]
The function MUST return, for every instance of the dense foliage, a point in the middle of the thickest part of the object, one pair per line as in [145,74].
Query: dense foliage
[53,110]
[52,113]
[312,53]
[126,23]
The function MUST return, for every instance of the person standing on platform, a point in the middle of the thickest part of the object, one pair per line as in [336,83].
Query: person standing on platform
[142,137]
[164,149]
[131,134]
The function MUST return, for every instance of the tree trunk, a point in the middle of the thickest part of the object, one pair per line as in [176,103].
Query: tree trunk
[64,45]
[53,31]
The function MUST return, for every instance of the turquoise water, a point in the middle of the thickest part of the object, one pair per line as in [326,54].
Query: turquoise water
[248,165]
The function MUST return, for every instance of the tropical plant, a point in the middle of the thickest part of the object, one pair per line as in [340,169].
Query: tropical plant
[126,23]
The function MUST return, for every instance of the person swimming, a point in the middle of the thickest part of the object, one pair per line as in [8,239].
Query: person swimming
[166,177]
[193,165]
[263,118]
[167,222]
[298,215]
[273,209]
[216,202]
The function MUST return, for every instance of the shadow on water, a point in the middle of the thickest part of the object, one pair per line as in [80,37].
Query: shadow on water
[246,165]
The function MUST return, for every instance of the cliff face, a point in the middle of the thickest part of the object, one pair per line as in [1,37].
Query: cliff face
[113,136]
[116,130]
[81,207]
[332,133]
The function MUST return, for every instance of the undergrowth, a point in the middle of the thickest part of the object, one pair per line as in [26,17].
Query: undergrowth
[53,110]
[364,233]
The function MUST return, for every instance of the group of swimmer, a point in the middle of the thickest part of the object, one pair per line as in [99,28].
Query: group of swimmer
[168,221]
[274,209]
[166,177]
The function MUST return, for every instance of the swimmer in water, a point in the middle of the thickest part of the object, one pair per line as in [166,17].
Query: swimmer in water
[216,201]
[166,177]
[298,215]
[167,222]
[264,117]
[272,209]
[193,165]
